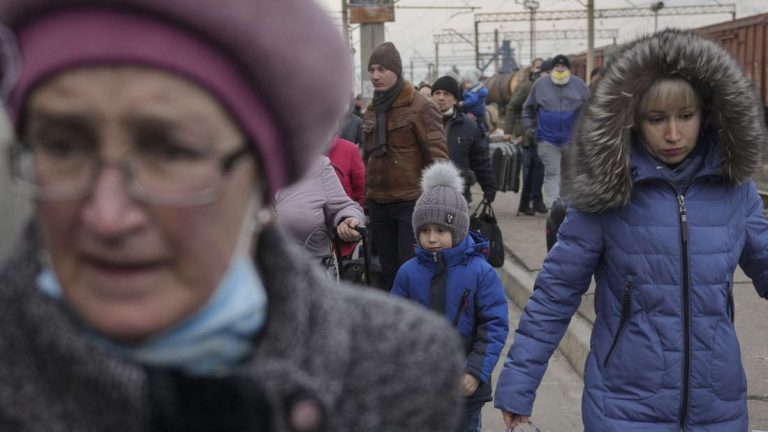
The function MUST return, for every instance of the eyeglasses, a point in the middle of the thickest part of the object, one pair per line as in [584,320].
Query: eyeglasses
[525,427]
[164,174]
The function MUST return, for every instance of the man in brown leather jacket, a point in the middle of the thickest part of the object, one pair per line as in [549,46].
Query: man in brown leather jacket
[403,134]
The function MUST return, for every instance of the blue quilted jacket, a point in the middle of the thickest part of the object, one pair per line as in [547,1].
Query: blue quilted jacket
[473,301]
[664,356]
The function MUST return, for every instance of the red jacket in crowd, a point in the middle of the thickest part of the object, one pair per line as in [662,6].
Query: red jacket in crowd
[346,160]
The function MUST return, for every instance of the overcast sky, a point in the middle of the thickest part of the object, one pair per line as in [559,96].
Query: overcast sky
[413,30]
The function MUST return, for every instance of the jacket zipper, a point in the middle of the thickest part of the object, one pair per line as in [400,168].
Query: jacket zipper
[463,304]
[686,311]
[731,309]
[626,304]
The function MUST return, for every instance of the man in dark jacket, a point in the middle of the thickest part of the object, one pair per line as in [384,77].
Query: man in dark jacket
[403,134]
[466,146]
[351,127]
[531,199]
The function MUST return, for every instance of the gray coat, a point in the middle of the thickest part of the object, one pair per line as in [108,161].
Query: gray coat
[371,363]
[313,206]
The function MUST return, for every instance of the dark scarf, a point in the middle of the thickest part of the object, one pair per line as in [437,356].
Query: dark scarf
[680,176]
[382,102]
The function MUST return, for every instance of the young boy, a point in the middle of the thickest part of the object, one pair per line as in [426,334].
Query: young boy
[450,275]
[474,93]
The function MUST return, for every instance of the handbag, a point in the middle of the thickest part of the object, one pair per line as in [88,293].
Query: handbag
[483,220]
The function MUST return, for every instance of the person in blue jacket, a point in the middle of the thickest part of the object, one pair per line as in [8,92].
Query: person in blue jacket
[662,210]
[549,116]
[473,99]
[450,275]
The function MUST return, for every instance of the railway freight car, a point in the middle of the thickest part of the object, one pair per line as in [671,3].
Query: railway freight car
[747,39]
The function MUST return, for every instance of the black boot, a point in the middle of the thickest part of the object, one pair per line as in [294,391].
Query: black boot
[539,207]
[525,208]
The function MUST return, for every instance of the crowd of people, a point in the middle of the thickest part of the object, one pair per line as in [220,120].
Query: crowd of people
[171,279]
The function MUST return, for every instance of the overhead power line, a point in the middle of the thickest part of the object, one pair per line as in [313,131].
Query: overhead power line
[471,8]
[449,38]
[542,15]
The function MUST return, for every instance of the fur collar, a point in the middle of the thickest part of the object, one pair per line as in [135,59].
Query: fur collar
[599,174]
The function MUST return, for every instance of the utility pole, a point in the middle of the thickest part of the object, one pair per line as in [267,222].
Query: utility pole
[496,49]
[655,8]
[437,60]
[345,21]
[590,38]
[532,5]
[477,46]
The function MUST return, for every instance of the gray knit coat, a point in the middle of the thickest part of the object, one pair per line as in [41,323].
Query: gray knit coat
[372,363]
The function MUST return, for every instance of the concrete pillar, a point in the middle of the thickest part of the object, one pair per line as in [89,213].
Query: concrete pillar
[590,39]
[371,36]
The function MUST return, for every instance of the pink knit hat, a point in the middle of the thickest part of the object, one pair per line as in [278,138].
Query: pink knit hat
[260,58]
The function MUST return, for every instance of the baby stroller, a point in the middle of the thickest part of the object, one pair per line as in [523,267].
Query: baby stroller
[349,268]
[362,269]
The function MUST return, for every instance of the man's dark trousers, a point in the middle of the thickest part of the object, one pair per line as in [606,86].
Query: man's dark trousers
[392,235]
[533,175]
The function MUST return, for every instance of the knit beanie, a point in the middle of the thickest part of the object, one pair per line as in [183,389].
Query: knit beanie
[448,84]
[442,201]
[236,50]
[387,55]
[472,75]
[561,60]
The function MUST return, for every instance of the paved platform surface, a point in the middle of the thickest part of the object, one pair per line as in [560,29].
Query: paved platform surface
[558,405]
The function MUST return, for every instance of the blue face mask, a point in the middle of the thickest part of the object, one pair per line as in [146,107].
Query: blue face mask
[212,342]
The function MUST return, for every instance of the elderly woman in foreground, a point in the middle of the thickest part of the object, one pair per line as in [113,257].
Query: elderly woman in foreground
[152,291]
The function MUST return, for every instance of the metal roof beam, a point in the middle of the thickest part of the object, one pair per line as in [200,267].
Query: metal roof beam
[542,15]
[451,38]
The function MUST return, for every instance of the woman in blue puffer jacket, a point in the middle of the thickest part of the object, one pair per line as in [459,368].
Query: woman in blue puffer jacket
[662,209]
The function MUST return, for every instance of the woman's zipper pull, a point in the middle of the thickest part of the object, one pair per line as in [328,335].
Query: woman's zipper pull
[465,299]
[683,216]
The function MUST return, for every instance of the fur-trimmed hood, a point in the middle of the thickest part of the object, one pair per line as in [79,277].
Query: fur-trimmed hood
[599,177]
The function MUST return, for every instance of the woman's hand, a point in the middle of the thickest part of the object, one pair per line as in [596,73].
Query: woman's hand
[513,420]
[469,384]
[346,229]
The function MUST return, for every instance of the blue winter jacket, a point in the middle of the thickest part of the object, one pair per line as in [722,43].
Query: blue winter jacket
[473,300]
[553,109]
[663,346]
[664,356]
[474,100]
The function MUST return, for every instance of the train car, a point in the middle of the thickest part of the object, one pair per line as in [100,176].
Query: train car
[747,39]
[602,56]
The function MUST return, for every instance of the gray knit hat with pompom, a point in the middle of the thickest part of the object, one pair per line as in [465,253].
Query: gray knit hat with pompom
[442,201]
